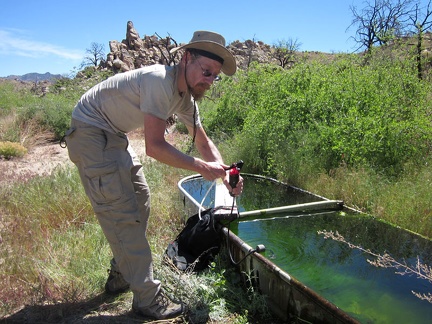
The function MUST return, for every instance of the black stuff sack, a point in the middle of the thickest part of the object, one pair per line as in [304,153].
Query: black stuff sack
[197,244]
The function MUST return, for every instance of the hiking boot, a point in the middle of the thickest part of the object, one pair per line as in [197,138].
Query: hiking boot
[115,283]
[160,308]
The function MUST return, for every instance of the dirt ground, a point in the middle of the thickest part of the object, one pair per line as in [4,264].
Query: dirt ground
[44,157]
[39,160]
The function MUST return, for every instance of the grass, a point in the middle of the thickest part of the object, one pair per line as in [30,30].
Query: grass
[406,202]
[55,254]
[48,224]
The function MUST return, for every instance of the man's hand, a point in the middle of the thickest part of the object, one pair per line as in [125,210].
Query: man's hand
[212,170]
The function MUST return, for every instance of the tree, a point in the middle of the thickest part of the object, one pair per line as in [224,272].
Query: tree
[380,21]
[284,51]
[164,45]
[95,55]
[421,22]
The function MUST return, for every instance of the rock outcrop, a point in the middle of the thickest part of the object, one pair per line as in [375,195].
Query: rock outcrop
[134,52]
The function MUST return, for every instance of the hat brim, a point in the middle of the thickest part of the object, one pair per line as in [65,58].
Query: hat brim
[229,65]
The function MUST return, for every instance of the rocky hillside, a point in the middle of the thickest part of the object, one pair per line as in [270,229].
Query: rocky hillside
[134,52]
[34,77]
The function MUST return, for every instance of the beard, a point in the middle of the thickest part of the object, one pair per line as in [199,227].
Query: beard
[199,90]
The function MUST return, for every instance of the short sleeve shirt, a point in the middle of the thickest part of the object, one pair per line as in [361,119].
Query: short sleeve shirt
[118,104]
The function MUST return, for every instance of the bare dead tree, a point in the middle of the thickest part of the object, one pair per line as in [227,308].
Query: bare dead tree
[380,21]
[95,55]
[385,260]
[164,45]
[421,21]
[285,51]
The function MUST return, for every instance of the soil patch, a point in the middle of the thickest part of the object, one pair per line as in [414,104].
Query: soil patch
[44,157]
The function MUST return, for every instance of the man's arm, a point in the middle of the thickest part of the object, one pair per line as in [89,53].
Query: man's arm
[210,152]
[205,146]
[156,147]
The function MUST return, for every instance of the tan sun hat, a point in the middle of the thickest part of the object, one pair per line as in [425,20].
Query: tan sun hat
[212,43]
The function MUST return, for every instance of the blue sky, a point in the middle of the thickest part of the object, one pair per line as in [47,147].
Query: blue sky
[52,35]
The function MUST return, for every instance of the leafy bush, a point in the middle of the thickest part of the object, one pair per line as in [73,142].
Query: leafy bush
[10,98]
[373,115]
[56,114]
[9,150]
[51,112]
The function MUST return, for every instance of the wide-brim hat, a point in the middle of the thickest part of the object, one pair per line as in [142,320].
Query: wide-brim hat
[215,44]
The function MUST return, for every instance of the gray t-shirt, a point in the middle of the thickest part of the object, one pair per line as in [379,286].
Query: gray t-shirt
[118,104]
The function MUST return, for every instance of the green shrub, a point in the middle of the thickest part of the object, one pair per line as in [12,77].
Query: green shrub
[56,114]
[374,115]
[9,150]
[11,97]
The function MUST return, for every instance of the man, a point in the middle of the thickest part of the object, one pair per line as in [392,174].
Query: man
[111,172]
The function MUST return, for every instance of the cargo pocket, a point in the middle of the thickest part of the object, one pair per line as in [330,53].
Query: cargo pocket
[104,182]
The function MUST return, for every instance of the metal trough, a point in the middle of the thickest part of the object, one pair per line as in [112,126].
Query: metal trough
[287,297]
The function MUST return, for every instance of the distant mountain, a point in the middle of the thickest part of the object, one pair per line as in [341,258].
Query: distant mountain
[35,77]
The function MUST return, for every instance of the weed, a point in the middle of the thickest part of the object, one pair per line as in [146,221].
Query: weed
[342,129]
[420,270]
[9,150]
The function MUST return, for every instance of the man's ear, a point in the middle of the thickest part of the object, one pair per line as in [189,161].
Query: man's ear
[187,56]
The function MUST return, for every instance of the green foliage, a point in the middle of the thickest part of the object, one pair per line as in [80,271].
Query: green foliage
[13,97]
[56,114]
[8,98]
[56,236]
[63,254]
[22,111]
[238,97]
[346,130]
[10,149]
[217,294]
[372,115]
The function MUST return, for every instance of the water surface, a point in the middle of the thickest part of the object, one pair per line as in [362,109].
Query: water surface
[331,268]
[342,274]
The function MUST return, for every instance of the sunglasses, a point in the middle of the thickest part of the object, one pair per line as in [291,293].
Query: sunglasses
[207,73]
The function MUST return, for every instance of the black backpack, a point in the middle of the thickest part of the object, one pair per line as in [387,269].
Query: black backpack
[197,244]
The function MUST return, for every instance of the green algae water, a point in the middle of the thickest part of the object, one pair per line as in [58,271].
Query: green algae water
[342,274]
[334,270]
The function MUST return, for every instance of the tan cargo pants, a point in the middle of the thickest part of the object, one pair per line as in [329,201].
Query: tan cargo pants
[114,181]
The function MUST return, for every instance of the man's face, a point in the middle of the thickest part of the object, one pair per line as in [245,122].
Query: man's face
[201,75]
